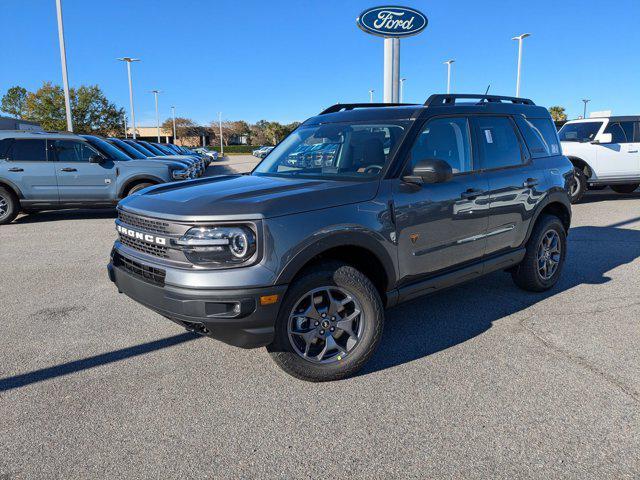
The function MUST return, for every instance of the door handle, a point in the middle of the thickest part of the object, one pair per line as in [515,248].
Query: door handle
[530,182]
[633,151]
[471,193]
[68,169]
[16,169]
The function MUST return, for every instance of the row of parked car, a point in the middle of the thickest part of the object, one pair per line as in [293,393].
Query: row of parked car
[49,170]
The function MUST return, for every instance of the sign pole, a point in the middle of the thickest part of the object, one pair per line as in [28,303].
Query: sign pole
[391,70]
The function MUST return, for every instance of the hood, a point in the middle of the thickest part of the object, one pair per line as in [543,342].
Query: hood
[246,197]
[180,158]
[173,159]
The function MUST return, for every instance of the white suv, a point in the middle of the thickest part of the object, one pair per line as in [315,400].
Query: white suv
[604,151]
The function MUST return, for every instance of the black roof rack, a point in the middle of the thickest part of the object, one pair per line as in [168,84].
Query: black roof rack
[338,107]
[450,99]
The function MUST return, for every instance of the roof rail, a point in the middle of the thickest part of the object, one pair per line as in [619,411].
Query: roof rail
[450,99]
[338,107]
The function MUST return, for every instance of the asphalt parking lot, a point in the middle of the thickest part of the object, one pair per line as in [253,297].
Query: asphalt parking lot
[480,381]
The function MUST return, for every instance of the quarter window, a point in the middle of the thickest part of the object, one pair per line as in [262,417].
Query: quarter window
[445,139]
[540,135]
[72,151]
[28,151]
[498,143]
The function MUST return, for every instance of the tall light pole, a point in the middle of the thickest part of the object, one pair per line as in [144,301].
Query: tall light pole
[155,94]
[63,60]
[402,89]
[221,142]
[129,60]
[585,100]
[519,38]
[173,115]
[448,64]
[371,95]
[124,121]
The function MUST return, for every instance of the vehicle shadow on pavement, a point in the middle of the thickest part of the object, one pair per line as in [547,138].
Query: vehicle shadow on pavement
[57,215]
[431,324]
[591,197]
[17,381]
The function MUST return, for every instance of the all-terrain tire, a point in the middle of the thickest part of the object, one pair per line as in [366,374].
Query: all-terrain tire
[138,187]
[527,275]
[580,186]
[9,206]
[330,274]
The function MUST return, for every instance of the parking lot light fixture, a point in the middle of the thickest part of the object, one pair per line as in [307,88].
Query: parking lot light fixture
[448,64]
[128,61]
[155,94]
[173,116]
[371,95]
[221,141]
[402,89]
[519,38]
[63,60]
[585,100]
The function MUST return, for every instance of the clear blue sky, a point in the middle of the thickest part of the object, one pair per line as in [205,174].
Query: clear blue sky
[285,60]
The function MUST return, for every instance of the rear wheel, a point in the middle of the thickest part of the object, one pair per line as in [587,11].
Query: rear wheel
[329,324]
[625,188]
[578,186]
[9,206]
[546,251]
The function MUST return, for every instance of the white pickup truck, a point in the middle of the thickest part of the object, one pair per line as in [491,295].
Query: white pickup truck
[604,151]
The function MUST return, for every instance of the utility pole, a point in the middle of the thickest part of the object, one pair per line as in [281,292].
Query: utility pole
[448,64]
[519,38]
[63,60]
[129,60]
[402,89]
[585,100]
[155,94]
[173,115]
[371,95]
[221,141]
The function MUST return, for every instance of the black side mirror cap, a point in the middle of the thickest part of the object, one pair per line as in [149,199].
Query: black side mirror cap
[430,170]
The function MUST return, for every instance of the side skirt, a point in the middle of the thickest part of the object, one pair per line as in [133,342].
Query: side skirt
[450,279]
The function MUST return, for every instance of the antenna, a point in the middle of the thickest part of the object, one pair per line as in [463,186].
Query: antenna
[487,90]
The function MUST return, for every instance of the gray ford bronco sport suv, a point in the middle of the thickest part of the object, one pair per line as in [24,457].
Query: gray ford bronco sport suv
[304,254]
[47,170]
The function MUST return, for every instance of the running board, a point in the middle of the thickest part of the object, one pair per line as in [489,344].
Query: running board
[446,280]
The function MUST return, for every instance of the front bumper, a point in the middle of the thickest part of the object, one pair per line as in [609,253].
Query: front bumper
[233,316]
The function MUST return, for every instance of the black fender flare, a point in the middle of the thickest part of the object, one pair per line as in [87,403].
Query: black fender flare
[12,186]
[367,240]
[557,196]
[136,178]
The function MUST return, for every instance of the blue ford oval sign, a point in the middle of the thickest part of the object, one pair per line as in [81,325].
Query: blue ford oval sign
[392,21]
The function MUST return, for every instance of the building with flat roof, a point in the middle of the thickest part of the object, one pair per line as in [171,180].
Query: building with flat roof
[11,123]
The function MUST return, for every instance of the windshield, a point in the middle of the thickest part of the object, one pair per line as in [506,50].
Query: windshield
[126,148]
[140,148]
[579,131]
[151,148]
[107,149]
[163,149]
[353,151]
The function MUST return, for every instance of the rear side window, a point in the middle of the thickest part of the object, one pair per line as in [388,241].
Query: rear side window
[4,147]
[445,139]
[28,151]
[540,135]
[498,143]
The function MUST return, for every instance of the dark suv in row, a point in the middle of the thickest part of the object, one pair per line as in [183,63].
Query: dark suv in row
[304,256]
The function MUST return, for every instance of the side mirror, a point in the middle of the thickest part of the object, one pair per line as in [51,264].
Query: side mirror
[603,138]
[96,159]
[430,170]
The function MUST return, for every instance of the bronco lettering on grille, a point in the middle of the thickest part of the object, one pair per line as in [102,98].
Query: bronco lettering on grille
[141,236]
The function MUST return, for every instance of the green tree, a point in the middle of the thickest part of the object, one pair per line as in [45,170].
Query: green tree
[185,127]
[557,113]
[46,106]
[14,102]
[93,113]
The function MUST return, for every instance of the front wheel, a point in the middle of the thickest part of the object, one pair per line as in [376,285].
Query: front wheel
[329,324]
[138,187]
[544,258]
[625,187]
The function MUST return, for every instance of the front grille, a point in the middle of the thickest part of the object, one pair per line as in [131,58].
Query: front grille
[148,274]
[144,247]
[148,224]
